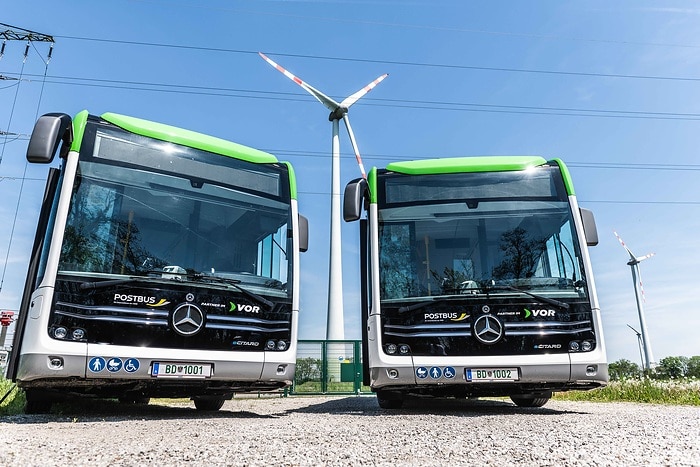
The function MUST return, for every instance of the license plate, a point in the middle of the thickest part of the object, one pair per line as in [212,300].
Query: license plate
[181,370]
[491,374]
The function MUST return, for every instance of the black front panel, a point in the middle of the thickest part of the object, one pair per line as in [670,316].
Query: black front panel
[177,316]
[488,326]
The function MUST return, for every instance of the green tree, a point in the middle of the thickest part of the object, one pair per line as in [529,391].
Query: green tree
[672,367]
[308,369]
[623,369]
[694,367]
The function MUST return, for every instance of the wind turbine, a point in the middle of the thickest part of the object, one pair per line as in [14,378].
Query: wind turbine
[339,110]
[633,263]
[639,342]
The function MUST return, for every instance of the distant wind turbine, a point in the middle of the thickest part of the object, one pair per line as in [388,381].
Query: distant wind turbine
[335,326]
[639,342]
[633,263]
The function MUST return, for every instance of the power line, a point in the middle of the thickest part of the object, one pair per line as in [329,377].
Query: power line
[379,102]
[14,33]
[388,62]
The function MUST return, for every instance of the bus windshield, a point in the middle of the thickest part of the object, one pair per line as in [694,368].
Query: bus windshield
[144,207]
[477,233]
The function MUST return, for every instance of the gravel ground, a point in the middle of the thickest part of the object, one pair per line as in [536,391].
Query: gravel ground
[354,431]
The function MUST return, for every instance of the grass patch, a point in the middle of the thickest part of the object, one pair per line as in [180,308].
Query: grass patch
[14,402]
[311,387]
[674,392]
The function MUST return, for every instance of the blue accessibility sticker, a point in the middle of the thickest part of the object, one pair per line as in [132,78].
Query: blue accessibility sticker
[435,372]
[114,364]
[131,365]
[421,372]
[449,372]
[96,364]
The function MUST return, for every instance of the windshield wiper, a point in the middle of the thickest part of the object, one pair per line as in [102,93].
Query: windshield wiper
[198,276]
[551,301]
[107,283]
[419,305]
[94,285]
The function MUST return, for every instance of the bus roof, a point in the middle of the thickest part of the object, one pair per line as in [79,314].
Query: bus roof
[189,138]
[466,164]
[469,164]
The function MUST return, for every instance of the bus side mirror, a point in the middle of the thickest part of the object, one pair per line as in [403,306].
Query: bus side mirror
[353,199]
[49,131]
[303,233]
[589,227]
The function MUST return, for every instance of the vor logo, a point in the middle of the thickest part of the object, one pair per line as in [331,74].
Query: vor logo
[244,308]
[541,313]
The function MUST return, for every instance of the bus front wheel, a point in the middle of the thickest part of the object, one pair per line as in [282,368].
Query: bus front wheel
[208,404]
[36,403]
[530,400]
[389,399]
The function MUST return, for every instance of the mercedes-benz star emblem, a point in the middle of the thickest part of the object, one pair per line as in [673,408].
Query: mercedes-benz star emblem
[488,329]
[187,319]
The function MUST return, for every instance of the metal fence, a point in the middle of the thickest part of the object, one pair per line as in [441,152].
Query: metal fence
[329,367]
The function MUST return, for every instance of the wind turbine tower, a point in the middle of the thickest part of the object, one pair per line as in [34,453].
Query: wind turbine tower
[633,263]
[335,329]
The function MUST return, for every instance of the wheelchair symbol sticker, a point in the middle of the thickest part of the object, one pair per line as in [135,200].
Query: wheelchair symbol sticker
[131,365]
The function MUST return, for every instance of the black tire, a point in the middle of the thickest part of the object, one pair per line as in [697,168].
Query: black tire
[389,400]
[208,404]
[530,400]
[37,406]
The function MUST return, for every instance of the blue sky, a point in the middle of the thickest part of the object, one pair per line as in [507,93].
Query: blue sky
[612,88]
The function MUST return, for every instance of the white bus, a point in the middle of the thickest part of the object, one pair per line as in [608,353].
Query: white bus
[476,280]
[165,264]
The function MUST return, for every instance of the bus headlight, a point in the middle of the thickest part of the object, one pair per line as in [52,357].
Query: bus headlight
[60,332]
[391,349]
[281,345]
[574,346]
[270,345]
[78,334]
[404,349]
[586,346]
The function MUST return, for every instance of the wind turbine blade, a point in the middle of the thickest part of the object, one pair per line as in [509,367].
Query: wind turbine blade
[321,97]
[632,257]
[642,258]
[354,146]
[350,100]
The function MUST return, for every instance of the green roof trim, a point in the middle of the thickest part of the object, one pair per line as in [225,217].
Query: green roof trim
[189,138]
[566,175]
[466,164]
[79,123]
[372,184]
[292,179]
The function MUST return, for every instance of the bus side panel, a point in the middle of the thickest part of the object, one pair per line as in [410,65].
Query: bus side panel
[601,352]
[364,301]
[30,282]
